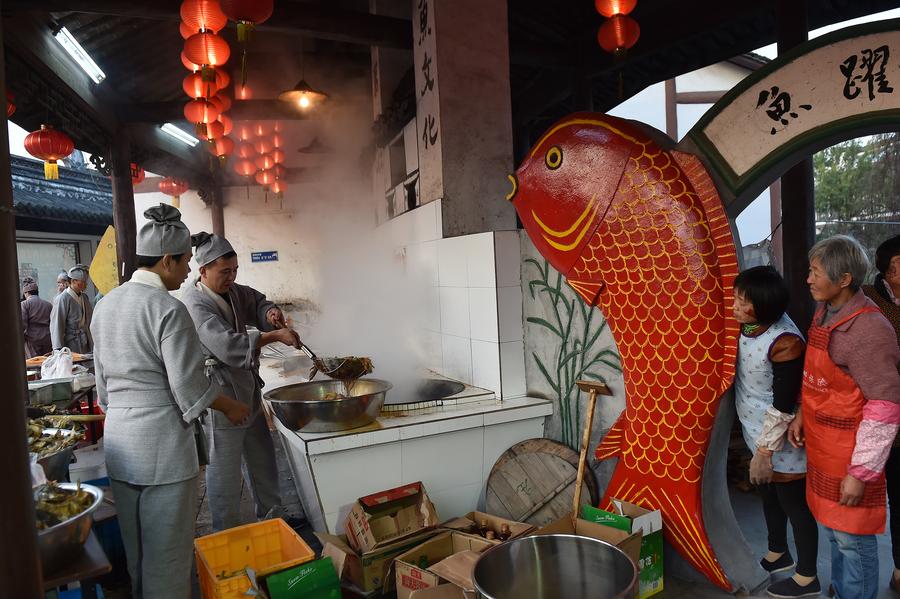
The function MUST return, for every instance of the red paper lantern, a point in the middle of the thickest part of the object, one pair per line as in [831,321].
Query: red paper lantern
[188,64]
[618,34]
[222,147]
[261,128]
[49,145]
[265,178]
[244,167]
[174,187]
[264,162]
[277,155]
[202,15]
[195,87]
[277,141]
[137,174]
[185,30]
[245,131]
[278,187]
[222,78]
[263,145]
[208,50]
[245,149]
[226,122]
[215,130]
[248,14]
[225,100]
[279,171]
[610,8]
[200,112]
[10,104]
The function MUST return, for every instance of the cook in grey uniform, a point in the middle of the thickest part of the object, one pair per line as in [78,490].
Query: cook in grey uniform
[70,320]
[152,386]
[62,282]
[222,310]
[35,320]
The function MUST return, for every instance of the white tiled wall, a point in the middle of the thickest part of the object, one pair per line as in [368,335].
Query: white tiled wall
[473,317]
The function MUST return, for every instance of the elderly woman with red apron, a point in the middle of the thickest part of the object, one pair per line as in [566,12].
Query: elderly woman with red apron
[850,413]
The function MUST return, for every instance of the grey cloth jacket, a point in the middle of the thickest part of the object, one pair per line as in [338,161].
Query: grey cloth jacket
[36,325]
[151,384]
[233,358]
[65,323]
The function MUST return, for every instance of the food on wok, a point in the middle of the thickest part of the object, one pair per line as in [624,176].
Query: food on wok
[54,505]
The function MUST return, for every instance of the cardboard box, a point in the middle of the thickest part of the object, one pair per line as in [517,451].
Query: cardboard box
[312,580]
[368,571]
[632,518]
[415,569]
[444,591]
[628,542]
[473,519]
[386,517]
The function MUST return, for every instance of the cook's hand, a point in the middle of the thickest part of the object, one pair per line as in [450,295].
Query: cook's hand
[761,470]
[852,490]
[795,431]
[276,318]
[288,337]
[236,412]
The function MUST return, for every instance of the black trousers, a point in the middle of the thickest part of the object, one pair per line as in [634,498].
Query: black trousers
[783,501]
[892,475]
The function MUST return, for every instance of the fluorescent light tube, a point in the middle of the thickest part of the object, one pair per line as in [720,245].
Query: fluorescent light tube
[180,134]
[79,54]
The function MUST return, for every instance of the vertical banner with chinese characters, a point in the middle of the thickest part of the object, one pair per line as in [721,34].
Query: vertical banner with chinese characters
[428,119]
[838,86]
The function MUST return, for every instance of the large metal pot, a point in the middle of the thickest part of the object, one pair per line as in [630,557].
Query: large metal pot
[303,407]
[555,566]
[62,543]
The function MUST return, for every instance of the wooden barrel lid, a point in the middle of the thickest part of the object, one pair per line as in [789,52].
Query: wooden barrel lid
[534,482]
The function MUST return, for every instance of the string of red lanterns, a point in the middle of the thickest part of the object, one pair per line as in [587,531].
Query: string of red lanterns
[619,32]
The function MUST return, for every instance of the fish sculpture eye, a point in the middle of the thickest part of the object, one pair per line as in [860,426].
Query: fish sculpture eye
[553,158]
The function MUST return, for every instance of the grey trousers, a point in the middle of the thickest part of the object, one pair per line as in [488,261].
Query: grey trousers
[157,523]
[228,449]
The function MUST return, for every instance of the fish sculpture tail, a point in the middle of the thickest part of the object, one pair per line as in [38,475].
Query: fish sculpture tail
[684,528]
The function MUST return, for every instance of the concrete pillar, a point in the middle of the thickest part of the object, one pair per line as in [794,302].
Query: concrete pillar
[463,112]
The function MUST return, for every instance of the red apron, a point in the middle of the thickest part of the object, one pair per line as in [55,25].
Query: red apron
[832,410]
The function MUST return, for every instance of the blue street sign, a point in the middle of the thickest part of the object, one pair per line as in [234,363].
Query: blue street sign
[264,256]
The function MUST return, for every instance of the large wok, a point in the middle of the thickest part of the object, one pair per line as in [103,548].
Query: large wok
[306,407]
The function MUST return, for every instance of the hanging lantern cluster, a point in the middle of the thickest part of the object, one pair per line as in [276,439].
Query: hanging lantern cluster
[619,32]
[261,157]
[175,188]
[49,145]
[204,55]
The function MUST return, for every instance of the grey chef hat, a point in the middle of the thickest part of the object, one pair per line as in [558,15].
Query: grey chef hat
[29,285]
[79,272]
[209,248]
[62,276]
[164,233]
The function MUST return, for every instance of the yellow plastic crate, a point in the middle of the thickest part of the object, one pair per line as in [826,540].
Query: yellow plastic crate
[268,546]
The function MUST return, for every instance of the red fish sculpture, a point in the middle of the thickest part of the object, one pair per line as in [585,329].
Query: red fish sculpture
[638,229]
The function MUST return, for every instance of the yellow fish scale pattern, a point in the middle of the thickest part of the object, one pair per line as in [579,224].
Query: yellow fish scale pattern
[664,302]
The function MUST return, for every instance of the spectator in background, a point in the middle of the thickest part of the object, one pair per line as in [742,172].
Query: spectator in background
[62,282]
[35,320]
[885,292]
[849,413]
[70,321]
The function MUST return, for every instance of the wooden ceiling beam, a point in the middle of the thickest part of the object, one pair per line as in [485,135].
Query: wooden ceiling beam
[241,110]
[307,19]
[32,41]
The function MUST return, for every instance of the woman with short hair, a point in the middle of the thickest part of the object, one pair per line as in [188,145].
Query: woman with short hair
[849,413]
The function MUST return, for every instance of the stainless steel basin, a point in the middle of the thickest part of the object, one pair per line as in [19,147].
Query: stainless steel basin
[303,407]
[555,566]
[63,542]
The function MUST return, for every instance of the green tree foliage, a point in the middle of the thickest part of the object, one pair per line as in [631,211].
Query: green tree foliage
[858,189]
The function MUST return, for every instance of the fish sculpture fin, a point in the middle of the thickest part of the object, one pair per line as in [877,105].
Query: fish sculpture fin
[611,445]
[586,290]
[724,242]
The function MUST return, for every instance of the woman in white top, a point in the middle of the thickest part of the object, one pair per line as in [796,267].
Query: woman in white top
[767,389]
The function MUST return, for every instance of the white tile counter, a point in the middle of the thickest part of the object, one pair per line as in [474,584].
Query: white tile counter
[450,448]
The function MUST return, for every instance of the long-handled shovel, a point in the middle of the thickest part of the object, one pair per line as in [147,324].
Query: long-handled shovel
[594,389]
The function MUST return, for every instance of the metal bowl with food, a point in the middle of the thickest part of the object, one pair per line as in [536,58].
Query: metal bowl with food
[62,542]
[327,406]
